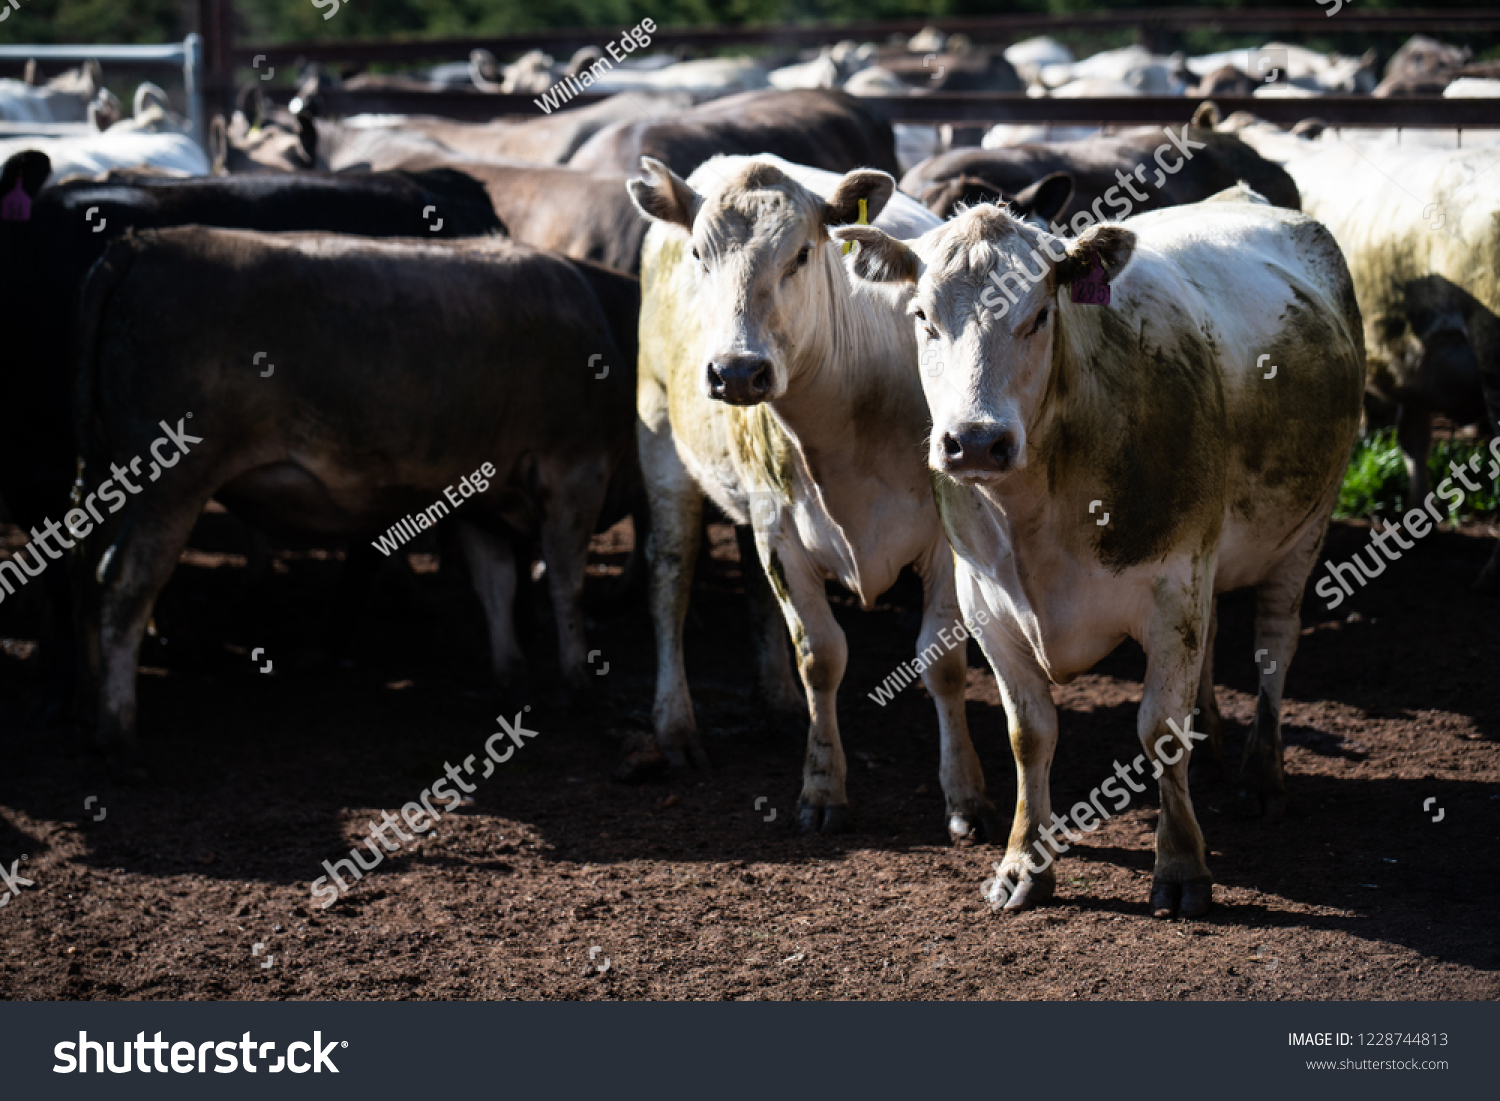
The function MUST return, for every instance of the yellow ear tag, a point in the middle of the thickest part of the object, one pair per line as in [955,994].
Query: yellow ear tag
[864,220]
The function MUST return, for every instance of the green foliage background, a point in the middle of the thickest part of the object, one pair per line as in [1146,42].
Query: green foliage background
[126,21]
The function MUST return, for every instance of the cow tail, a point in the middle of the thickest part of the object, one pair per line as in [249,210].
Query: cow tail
[108,272]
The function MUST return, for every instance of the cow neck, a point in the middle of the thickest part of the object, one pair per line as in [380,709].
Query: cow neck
[852,348]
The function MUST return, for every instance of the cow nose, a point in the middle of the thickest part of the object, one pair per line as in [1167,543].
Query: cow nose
[978,448]
[739,380]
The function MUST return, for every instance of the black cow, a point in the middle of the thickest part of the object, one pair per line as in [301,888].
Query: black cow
[813,126]
[405,367]
[1117,175]
[45,256]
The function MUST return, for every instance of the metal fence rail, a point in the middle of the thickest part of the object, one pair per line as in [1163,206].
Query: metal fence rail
[982,107]
[1310,19]
[187,54]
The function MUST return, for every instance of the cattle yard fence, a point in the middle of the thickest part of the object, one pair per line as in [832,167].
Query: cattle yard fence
[186,55]
[962,109]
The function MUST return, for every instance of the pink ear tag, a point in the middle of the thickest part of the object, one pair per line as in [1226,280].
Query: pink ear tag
[1093,288]
[16,206]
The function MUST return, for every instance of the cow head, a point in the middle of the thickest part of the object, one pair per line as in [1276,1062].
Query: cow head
[987,354]
[763,263]
[1041,202]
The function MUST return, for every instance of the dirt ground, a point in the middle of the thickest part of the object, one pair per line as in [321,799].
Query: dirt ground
[559,883]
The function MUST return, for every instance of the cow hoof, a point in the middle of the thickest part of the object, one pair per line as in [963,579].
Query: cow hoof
[971,827]
[1187,900]
[1004,894]
[1165,898]
[1196,899]
[643,763]
[829,819]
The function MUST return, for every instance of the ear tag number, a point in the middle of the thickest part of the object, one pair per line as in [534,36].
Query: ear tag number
[1093,288]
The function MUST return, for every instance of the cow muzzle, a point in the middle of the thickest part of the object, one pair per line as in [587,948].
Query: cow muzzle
[976,450]
[739,380]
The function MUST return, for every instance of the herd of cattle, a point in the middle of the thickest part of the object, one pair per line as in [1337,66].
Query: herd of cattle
[785,331]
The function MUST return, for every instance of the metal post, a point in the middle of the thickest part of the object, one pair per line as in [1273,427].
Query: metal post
[192,84]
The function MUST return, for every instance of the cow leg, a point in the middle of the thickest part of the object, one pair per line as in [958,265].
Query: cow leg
[671,548]
[492,566]
[822,655]
[1207,762]
[1278,623]
[1181,883]
[1025,878]
[971,815]
[1414,437]
[778,687]
[574,497]
[151,538]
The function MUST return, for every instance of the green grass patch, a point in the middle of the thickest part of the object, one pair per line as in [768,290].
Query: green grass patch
[1376,481]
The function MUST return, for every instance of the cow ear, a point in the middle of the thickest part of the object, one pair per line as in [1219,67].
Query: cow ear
[1112,245]
[1206,117]
[664,196]
[251,104]
[842,207]
[307,133]
[1044,199]
[31,167]
[880,258]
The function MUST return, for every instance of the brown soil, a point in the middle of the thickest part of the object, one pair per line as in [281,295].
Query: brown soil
[682,886]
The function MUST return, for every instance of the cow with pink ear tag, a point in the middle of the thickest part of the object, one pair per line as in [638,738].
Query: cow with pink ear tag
[1119,369]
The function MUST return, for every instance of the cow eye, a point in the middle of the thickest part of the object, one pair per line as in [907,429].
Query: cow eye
[696,256]
[1041,319]
[802,254]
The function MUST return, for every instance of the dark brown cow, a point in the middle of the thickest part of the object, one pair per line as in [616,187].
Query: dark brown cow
[1119,175]
[813,126]
[1044,199]
[401,368]
[585,215]
[260,138]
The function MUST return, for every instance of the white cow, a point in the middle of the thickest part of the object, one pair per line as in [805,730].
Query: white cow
[87,157]
[1032,54]
[1104,470]
[1318,73]
[1421,230]
[64,98]
[773,384]
[1133,66]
